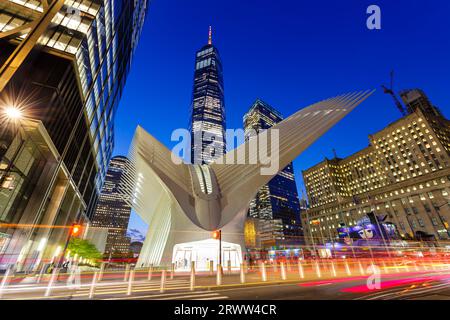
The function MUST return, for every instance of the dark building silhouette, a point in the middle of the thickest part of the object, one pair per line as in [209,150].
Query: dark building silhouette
[417,99]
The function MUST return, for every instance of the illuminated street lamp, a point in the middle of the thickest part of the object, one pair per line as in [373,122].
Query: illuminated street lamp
[13,113]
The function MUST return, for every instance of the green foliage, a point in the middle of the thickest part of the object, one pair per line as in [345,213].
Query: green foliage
[84,249]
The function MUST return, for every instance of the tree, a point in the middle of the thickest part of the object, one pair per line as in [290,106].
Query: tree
[84,249]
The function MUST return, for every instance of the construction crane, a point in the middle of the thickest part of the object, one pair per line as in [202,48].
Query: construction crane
[391,92]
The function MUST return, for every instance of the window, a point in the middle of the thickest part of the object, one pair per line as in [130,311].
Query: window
[421,222]
[434,221]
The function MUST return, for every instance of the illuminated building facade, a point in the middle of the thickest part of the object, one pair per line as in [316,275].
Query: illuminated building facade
[404,175]
[207,124]
[113,211]
[278,199]
[74,59]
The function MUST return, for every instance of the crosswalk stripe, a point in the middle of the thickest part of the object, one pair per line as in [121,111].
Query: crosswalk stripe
[124,290]
[155,295]
[213,298]
[189,296]
[134,287]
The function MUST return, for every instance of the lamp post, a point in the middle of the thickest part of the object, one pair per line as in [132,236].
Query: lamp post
[218,236]
[75,230]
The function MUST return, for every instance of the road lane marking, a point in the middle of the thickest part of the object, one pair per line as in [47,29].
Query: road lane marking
[189,296]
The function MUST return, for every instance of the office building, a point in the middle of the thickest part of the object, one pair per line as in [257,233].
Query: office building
[207,124]
[64,66]
[113,209]
[403,175]
[277,200]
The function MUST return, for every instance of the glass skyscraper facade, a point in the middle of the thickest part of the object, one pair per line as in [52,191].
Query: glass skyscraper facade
[53,163]
[208,106]
[113,210]
[277,200]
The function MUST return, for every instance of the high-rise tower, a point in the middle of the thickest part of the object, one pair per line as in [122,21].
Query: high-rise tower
[276,201]
[113,211]
[208,106]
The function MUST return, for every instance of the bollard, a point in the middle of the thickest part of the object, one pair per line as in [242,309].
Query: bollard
[442,263]
[283,271]
[92,289]
[50,283]
[163,281]
[333,269]
[406,266]
[301,272]
[41,273]
[172,271]
[150,273]
[397,269]
[416,267]
[433,265]
[127,271]
[219,275]
[229,266]
[288,265]
[245,267]
[384,266]
[5,280]
[211,267]
[192,275]
[242,273]
[130,283]
[361,270]
[318,273]
[102,269]
[347,268]
[275,268]
[263,272]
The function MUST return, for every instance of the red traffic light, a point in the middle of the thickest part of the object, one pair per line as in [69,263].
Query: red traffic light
[76,229]
[216,234]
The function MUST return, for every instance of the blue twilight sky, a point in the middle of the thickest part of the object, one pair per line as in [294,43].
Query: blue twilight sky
[290,54]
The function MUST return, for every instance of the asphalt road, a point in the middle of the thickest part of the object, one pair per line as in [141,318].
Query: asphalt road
[393,285]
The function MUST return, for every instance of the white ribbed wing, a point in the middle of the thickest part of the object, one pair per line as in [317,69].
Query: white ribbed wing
[240,182]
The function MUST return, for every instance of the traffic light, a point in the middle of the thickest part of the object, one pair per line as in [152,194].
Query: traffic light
[76,229]
[216,234]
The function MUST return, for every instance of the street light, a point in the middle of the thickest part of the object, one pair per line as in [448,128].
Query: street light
[13,113]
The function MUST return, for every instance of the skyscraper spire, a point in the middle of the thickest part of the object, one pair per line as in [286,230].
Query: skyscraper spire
[210,36]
